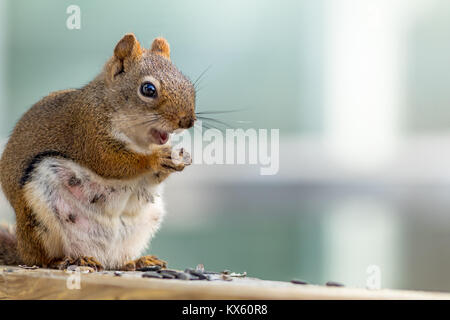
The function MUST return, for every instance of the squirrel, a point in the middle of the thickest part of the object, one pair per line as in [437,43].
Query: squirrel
[83,168]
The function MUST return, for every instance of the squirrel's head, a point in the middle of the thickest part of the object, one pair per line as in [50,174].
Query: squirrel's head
[149,97]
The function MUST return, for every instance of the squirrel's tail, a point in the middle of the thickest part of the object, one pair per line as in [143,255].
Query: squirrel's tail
[8,246]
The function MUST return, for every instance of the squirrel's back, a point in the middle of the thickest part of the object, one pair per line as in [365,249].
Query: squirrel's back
[45,127]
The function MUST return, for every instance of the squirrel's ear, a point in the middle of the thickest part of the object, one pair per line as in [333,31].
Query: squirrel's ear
[128,47]
[161,46]
[127,51]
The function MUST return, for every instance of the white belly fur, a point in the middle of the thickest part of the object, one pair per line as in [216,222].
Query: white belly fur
[83,214]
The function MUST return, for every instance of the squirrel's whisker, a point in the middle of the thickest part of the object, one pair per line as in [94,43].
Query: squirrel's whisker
[210,126]
[216,121]
[220,111]
[144,123]
[136,117]
[200,76]
[202,126]
[198,89]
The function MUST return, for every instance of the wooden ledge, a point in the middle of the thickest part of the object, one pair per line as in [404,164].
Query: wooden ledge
[18,283]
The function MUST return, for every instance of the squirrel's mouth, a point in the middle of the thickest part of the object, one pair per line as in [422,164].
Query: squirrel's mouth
[159,136]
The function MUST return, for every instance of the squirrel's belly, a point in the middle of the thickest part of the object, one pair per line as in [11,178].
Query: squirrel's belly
[82,214]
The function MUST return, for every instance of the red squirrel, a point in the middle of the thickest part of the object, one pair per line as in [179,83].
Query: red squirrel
[83,167]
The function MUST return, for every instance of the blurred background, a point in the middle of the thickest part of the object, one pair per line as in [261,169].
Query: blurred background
[360,90]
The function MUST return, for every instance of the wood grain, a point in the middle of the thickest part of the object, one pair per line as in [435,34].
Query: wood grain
[18,283]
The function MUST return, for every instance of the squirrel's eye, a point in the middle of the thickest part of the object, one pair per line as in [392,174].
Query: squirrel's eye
[148,90]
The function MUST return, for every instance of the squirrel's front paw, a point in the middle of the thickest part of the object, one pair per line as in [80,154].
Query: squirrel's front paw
[173,159]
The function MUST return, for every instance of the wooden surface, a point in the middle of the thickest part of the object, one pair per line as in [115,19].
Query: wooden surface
[18,283]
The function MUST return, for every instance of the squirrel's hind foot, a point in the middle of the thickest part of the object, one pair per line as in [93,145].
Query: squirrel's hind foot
[64,263]
[142,262]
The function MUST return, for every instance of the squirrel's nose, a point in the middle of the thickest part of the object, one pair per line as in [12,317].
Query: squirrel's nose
[186,122]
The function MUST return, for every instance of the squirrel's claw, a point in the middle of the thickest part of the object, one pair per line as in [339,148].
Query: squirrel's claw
[175,160]
[63,264]
[142,262]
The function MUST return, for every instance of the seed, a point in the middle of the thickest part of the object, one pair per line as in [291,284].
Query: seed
[226,277]
[298,281]
[72,267]
[200,267]
[149,268]
[174,274]
[211,272]
[239,275]
[168,276]
[183,276]
[334,284]
[152,274]
[199,275]
[168,271]
[193,277]
[28,267]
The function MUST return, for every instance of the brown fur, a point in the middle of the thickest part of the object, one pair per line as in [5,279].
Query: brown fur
[161,46]
[8,246]
[77,124]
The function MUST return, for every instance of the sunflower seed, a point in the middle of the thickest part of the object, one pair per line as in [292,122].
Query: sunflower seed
[152,274]
[200,267]
[334,284]
[168,276]
[28,267]
[197,274]
[298,281]
[226,277]
[183,276]
[211,272]
[168,271]
[238,275]
[149,268]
